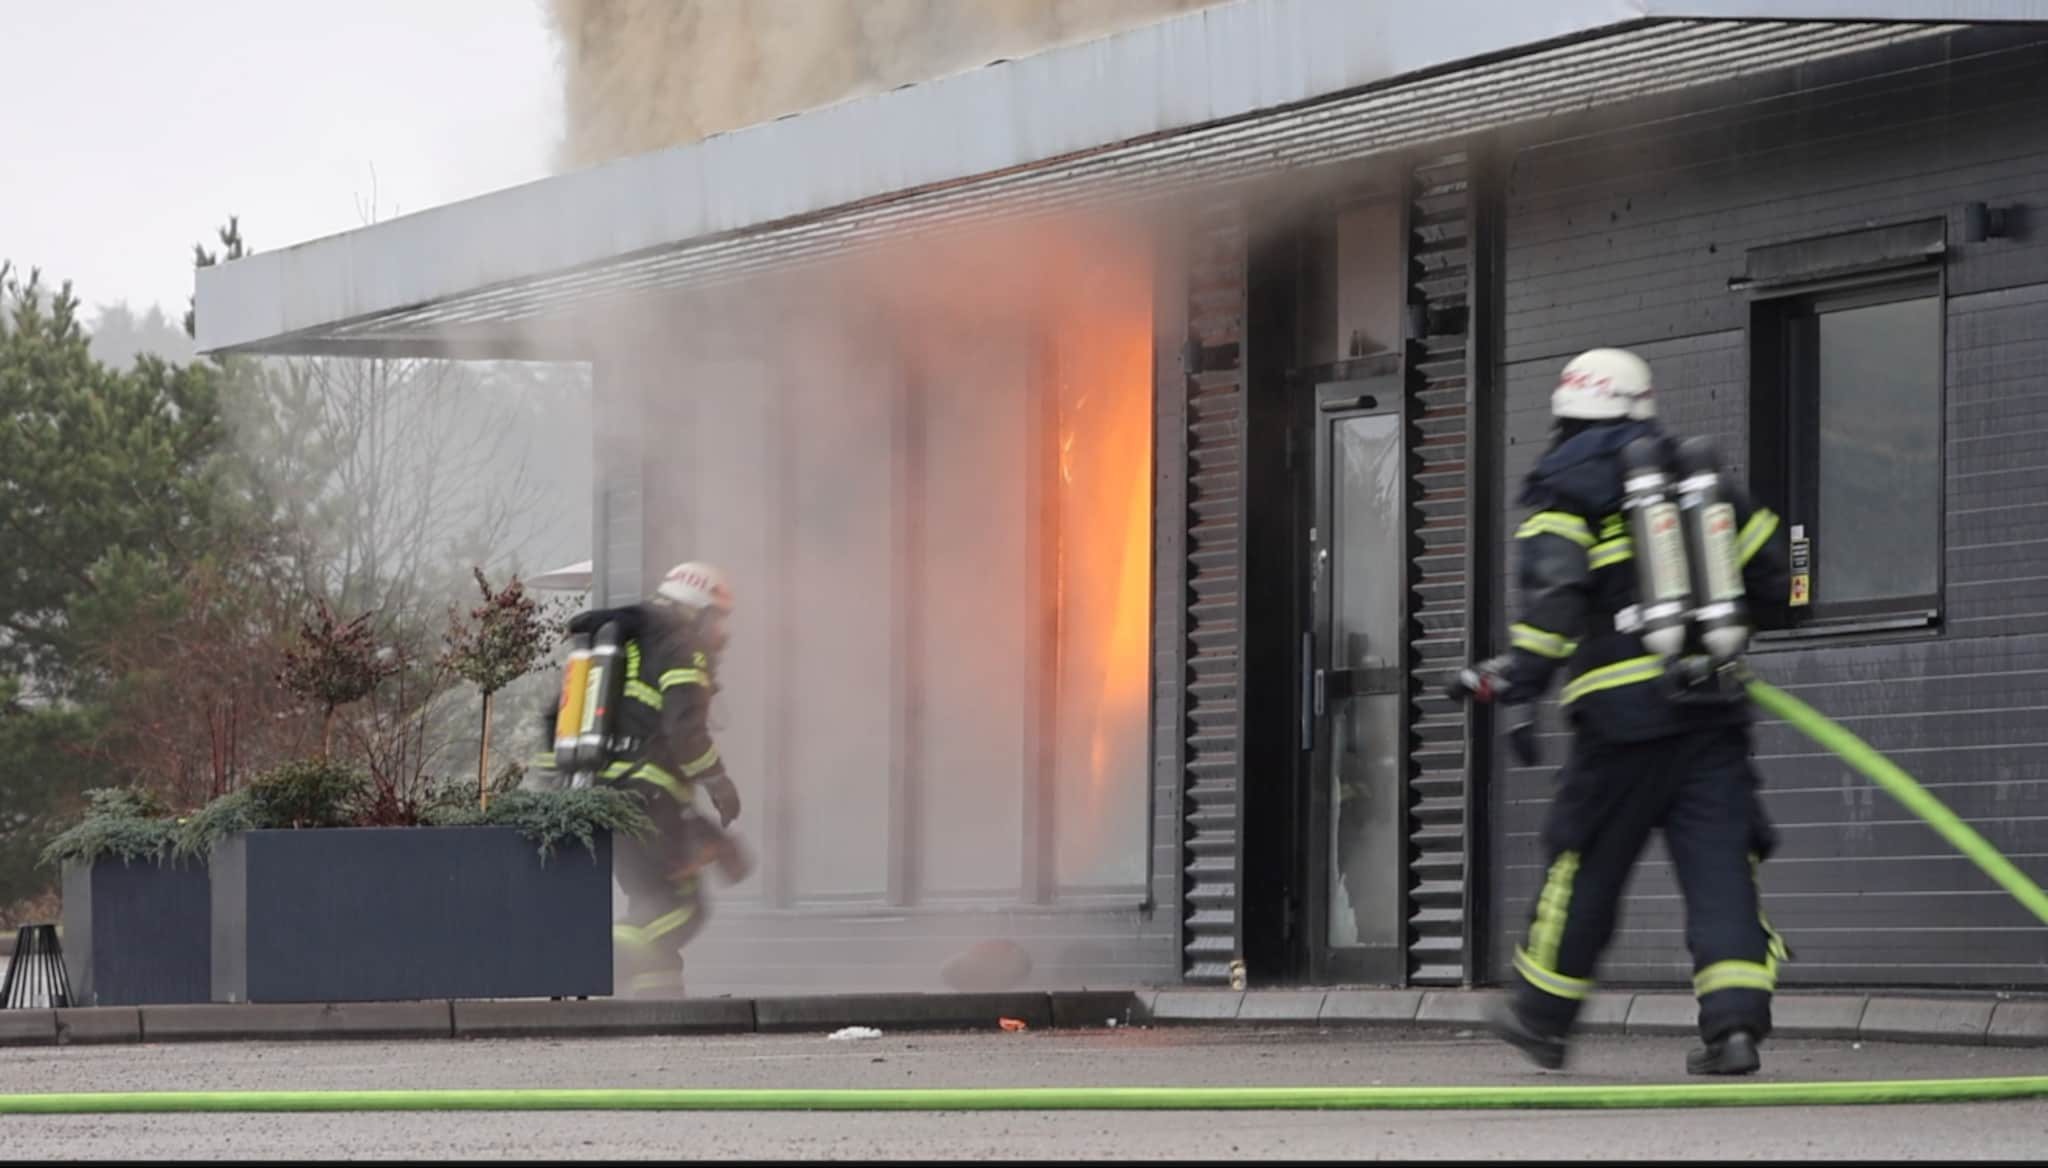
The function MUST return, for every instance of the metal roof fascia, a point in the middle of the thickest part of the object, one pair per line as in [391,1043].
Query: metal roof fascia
[1207,66]
[1549,80]
[1905,11]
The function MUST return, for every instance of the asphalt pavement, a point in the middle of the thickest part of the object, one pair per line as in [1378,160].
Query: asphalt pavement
[1126,1057]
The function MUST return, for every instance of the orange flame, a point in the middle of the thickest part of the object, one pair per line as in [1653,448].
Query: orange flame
[1084,289]
[1103,346]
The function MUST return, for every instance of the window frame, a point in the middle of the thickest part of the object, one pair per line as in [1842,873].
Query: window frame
[1785,438]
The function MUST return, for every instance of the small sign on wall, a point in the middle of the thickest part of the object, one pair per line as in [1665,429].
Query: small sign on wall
[1802,567]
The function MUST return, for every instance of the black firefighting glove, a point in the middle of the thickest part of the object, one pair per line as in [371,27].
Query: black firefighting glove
[1522,739]
[726,798]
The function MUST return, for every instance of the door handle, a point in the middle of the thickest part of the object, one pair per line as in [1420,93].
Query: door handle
[1308,734]
[1319,693]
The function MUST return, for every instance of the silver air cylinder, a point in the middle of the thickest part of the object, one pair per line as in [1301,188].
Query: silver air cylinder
[1721,618]
[1664,597]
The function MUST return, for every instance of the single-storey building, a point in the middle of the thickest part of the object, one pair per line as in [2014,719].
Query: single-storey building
[1114,449]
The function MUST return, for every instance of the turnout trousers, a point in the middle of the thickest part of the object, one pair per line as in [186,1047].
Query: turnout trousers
[662,875]
[1699,789]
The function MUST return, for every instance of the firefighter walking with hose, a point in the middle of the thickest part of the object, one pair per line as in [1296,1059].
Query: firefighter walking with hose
[1635,563]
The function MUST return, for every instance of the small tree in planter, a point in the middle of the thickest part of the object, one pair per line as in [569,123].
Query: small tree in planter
[137,917]
[333,665]
[505,638]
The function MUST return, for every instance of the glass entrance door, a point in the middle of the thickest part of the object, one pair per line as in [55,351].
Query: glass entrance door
[1355,719]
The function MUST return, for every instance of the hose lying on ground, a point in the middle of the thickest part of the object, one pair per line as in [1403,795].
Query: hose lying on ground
[1533,1097]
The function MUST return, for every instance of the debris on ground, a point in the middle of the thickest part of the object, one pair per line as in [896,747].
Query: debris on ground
[1012,1024]
[852,1032]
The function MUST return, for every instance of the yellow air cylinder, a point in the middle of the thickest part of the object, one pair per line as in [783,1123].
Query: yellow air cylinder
[569,716]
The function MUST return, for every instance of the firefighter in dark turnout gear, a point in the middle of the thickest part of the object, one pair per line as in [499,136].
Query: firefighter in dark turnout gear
[671,646]
[1656,745]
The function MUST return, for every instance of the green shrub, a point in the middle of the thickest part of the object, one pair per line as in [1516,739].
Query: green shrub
[550,818]
[314,792]
[451,803]
[306,793]
[232,812]
[130,825]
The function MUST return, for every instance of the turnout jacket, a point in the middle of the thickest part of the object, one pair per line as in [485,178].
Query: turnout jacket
[1577,572]
[664,722]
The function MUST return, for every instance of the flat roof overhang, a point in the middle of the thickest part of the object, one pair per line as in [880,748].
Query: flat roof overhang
[1225,93]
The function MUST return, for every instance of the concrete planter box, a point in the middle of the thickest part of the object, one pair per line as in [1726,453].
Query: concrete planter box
[381,914]
[138,933]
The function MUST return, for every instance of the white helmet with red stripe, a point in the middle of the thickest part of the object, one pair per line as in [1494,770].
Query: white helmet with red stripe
[1604,384]
[696,586]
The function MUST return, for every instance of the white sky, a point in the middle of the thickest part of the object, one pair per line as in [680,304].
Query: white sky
[131,129]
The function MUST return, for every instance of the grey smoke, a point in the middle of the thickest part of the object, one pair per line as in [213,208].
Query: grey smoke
[639,75]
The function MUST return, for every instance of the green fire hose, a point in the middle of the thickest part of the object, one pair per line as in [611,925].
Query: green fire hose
[1804,718]
[1905,789]
[1568,1097]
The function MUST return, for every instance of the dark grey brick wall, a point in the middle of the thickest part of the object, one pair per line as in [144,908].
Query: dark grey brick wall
[1628,236]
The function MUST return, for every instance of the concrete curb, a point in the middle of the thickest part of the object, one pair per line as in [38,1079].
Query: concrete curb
[900,1011]
[84,1024]
[602,1017]
[1962,1019]
[207,1022]
[1965,1019]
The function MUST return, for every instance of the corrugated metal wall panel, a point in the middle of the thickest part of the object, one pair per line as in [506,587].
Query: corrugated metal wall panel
[1170,567]
[1214,725]
[1439,229]
[1629,237]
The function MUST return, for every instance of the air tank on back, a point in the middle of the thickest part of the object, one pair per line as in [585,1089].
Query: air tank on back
[1721,612]
[1664,591]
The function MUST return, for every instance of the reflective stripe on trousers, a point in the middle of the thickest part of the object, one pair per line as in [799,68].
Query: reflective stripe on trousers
[1537,961]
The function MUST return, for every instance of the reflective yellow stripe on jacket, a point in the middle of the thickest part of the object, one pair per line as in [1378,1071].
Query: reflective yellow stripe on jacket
[637,689]
[1542,642]
[1558,523]
[1609,552]
[1633,671]
[1756,533]
[650,773]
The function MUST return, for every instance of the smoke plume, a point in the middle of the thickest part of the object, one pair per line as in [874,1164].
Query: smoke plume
[643,74]
[927,468]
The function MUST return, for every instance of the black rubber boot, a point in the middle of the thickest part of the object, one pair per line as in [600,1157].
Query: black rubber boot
[1545,1050]
[1734,1054]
